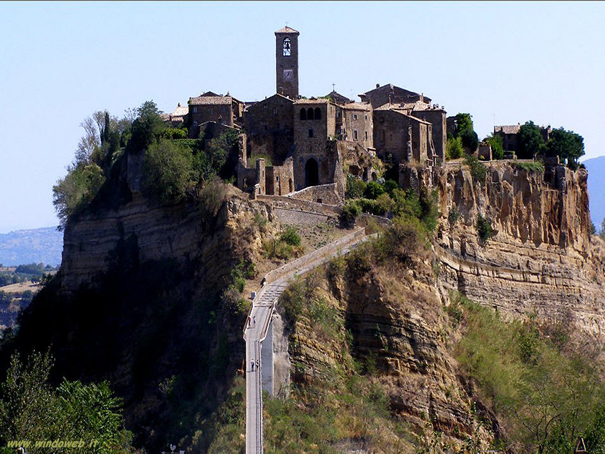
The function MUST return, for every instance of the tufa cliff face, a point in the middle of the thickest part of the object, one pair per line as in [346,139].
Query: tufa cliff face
[542,259]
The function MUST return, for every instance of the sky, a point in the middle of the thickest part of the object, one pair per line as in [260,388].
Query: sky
[502,62]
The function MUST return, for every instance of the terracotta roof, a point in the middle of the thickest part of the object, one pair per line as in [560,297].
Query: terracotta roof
[508,129]
[210,100]
[287,29]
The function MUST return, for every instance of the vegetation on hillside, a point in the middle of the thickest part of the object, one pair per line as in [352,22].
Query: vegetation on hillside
[544,392]
[33,411]
[174,167]
[385,198]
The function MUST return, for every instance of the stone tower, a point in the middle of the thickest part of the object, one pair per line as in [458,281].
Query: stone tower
[286,59]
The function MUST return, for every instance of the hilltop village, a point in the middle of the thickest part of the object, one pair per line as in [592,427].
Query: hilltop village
[289,142]
[308,142]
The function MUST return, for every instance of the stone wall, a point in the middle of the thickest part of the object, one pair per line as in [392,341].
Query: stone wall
[326,193]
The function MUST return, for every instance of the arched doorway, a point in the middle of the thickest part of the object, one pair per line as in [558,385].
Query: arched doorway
[311,173]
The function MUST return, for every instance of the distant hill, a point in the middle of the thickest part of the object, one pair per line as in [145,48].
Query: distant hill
[31,246]
[596,189]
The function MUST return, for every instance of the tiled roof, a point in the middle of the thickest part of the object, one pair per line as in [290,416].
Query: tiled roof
[210,100]
[400,111]
[180,111]
[508,129]
[357,106]
[312,101]
[287,29]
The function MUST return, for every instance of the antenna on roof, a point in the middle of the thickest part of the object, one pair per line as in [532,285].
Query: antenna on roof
[333,85]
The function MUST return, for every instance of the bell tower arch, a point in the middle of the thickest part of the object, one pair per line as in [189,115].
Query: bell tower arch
[286,60]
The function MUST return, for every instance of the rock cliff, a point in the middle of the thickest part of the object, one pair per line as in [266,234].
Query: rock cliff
[542,259]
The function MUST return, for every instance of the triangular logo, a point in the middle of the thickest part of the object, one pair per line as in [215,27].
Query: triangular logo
[580,446]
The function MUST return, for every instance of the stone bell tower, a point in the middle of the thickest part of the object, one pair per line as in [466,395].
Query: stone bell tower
[286,59]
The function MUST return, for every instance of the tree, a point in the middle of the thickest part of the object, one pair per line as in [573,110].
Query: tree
[167,172]
[31,410]
[568,145]
[465,130]
[76,190]
[145,128]
[453,148]
[497,144]
[530,141]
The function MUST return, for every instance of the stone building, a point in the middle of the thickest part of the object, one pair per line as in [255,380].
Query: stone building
[212,107]
[314,125]
[401,138]
[289,143]
[269,126]
[390,94]
[178,116]
[509,136]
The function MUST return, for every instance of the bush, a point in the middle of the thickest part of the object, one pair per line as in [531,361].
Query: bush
[290,236]
[167,172]
[530,166]
[453,148]
[77,189]
[349,213]
[373,190]
[355,187]
[484,229]
[477,168]
[497,144]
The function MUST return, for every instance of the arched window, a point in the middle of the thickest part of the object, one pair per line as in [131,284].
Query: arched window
[317,113]
[310,113]
[286,47]
[303,114]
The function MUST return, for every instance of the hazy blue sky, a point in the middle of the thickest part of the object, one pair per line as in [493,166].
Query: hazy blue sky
[506,62]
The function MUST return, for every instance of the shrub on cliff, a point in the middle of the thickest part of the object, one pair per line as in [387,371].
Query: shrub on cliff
[484,229]
[167,172]
[77,189]
[477,168]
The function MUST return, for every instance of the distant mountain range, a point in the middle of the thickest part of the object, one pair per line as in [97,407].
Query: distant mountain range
[596,189]
[31,246]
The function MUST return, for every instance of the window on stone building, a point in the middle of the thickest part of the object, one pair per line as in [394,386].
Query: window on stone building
[275,111]
[310,132]
[354,116]
[317,113]
[310,113]
[303,114]
[366,117]
[195,110]
[366,135]
[287,50]
[354,134]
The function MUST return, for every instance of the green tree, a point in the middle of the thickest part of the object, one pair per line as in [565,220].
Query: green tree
[30,409]
[167,172]
[453,148]
[497,144]
[568,145]
[466,132]
[146,128]
[76,190]
[530,141]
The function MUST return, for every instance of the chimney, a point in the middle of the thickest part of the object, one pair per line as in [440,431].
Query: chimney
[377,85]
